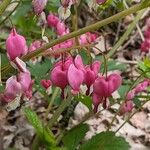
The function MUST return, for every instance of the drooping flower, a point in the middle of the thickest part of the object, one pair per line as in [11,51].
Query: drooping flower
[20,85]
[39,5]
[126,107]
[141,87]
[59,73]
[36,44]
[15,45]
[91,73]
[46,83]
[12,90]
[75,74]
[104,87]
[87,38]
[52,20]
[60,28]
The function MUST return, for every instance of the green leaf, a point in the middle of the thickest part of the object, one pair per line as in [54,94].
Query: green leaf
[123,90]
[2,88]
[147,62]
[73,137]
[137,102]
[105,141]
[86,100]
[40,70]
[44,133]
[114,65]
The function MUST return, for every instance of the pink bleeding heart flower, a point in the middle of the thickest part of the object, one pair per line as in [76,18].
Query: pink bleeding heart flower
[52,20]
[59,73]
[76,74]
[19,85]
[130,95]
[91,74]
[141,87]
[12,90]
[96,101]
[60,28]
[126,107]
[46,83]
[16,45]
[39,5]
[147,33]
[87,38]
[145,46]
[24,78]
[104,88]
[36,44]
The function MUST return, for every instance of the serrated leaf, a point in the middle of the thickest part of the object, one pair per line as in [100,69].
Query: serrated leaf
[73,137]
[86,100]
[43,132]
[105,141]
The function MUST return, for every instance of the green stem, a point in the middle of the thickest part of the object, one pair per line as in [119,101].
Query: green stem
[92,27]
[51,102]
[126,34]
[36,143]
[64,104]
[4,5]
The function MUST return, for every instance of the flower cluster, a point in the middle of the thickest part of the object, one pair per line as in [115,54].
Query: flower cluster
[61,29]
[18,86]
[128,105]
[72,72]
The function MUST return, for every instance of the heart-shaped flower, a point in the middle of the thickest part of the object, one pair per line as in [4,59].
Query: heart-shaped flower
[91,73]
[104,87]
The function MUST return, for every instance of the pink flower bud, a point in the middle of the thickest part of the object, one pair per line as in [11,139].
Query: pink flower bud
[126,107]
[35,45]
[16,45]
[39,5]
[13,89]
[130,95]
[147,33]
[46,83]
[96,101]
[52,20]
[145,46]
[141,87]
[60,28]
[87,38]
